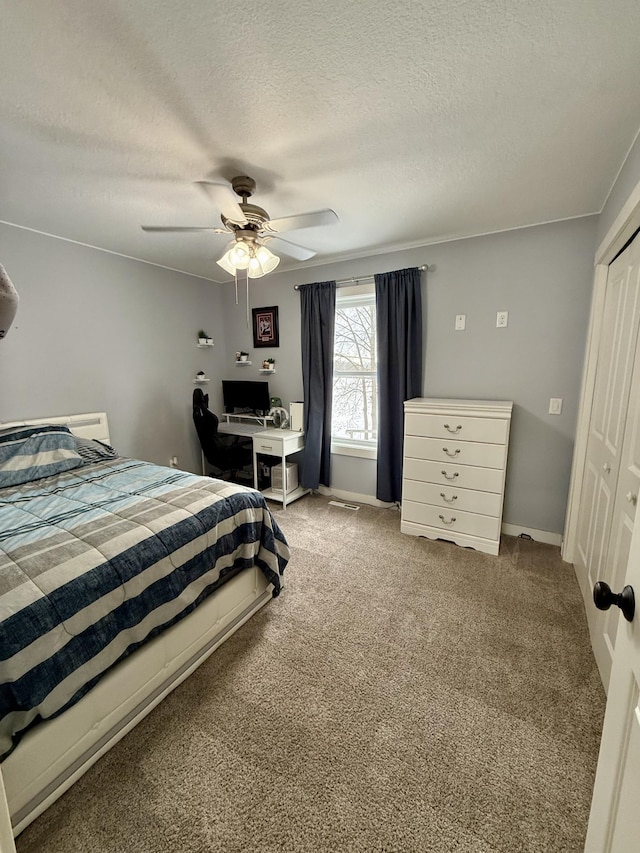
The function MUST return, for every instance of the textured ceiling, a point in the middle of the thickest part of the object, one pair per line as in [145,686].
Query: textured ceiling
[414,121]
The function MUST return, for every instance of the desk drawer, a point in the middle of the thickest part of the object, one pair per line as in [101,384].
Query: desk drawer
[267,445]
[452,498]
[489,430]
[451,521]
[461,452]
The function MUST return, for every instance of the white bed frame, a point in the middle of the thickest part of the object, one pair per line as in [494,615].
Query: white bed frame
[53,755]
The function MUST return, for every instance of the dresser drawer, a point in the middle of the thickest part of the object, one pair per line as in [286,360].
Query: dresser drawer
[491,431]
[461,452]
[451,521]
[448,474]
[452,498]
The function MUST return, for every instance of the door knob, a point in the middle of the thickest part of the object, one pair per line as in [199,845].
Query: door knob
[606,468]
[633,499]
[603,598]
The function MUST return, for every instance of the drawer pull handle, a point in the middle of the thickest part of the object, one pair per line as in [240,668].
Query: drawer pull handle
[452,477]
[448,500]
[451,520]
[455,452]
[265,447]
[454,431]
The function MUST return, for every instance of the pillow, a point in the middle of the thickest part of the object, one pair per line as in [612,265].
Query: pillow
[92,450]
[32,452]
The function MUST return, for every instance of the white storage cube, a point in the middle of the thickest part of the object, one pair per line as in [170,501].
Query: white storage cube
[292,477]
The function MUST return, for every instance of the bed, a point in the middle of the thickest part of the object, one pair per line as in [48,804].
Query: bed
[117,579]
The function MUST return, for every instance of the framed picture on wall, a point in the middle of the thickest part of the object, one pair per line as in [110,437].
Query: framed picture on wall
[265,327]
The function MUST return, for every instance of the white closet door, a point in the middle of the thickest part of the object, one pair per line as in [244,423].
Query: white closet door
[614,823]
[601,555]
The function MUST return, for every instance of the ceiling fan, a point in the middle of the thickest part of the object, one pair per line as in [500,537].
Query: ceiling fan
[252,228]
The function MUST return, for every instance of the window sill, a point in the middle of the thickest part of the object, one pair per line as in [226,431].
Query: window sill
[339,449]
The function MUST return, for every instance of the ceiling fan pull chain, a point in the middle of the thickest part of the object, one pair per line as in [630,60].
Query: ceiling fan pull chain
[235,277]
[247,300]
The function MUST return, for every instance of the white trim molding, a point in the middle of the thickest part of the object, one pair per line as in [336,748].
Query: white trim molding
[623,227]
[537,535]
[340,449]
[354,497]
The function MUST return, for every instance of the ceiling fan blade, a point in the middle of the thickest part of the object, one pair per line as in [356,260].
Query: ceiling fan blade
[225,200]
[180,228]
[304,220]
[300,253]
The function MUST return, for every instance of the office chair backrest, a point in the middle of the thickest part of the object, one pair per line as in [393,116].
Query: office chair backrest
[206,423]
[223,452]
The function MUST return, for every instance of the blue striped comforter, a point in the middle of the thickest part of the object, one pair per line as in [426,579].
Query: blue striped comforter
[97,560]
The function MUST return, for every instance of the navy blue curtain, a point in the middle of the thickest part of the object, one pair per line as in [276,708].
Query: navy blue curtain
[399,333]
[318,308]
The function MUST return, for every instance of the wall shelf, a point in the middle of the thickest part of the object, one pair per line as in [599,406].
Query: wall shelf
[242,363]
[205,346]
[200,381]
[264,370]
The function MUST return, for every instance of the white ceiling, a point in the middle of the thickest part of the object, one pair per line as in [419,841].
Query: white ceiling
[415,121]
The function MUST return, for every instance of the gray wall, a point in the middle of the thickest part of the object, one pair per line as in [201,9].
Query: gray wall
[625,183]
[98,332]
[543,276]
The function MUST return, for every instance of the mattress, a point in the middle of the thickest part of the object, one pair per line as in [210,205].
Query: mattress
[97,560]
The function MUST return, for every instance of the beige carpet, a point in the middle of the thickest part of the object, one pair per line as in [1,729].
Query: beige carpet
[401,695]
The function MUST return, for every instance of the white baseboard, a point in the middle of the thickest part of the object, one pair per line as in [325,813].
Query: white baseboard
[538,535]
[509,529]
[353,497]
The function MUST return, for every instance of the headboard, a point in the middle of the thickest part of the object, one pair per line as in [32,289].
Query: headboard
[93,425]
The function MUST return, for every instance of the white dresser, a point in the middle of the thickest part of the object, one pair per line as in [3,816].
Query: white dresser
[455,461]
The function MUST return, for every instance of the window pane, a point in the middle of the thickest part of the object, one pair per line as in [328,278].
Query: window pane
[355,408]
[355,338]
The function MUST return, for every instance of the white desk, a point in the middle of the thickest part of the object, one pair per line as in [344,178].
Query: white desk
[282,443]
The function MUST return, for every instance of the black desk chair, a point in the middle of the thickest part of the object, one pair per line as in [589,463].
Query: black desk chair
[227,454]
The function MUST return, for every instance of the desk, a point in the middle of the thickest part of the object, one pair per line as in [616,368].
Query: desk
[282,443]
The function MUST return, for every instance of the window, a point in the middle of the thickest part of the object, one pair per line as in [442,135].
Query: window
[355,383]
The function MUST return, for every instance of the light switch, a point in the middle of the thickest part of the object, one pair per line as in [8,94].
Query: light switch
[555,406]
[461,322]
[502,319]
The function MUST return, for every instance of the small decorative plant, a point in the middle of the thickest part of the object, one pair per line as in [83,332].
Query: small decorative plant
[268,363]
[204,337]
[243,355]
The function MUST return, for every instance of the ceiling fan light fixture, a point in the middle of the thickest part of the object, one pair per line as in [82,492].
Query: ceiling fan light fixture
[268,261]
[253,257]
[240,255]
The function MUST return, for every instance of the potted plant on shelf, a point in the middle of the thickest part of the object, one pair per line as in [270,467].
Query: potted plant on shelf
[204,339]
[200,376]
[268,363]
[243,355]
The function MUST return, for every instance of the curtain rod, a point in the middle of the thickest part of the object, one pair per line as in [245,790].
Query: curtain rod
[359,280]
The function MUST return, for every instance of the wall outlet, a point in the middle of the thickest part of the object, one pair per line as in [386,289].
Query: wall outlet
[502,319]
[173,462]
[555,406]
[461,322]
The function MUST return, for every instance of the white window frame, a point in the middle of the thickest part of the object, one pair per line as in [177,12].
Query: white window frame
[355,295]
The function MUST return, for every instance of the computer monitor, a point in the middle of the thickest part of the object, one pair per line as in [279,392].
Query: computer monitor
[252,396]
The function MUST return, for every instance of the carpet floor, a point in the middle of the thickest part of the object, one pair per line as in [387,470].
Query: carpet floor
[400,695]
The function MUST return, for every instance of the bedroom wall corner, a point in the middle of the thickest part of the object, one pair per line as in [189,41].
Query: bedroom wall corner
[99,332]
[542,275]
